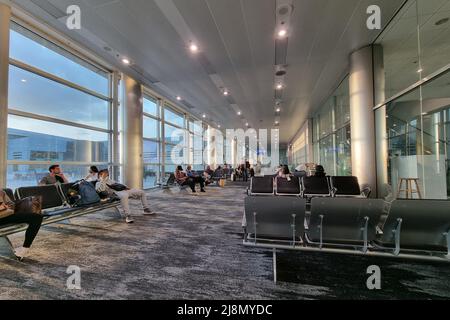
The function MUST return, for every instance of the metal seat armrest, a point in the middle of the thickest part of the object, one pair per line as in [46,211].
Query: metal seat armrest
[366,191]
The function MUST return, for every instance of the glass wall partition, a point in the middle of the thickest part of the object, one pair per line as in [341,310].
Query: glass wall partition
[331,133]
[59,111]
[151,142]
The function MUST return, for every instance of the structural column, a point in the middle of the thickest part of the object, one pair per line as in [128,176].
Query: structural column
[5,16]
[132,113]
[362,117]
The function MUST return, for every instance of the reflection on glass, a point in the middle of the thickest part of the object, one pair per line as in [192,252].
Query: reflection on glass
[151,128]
[151,176]
[150,107]
[151,153]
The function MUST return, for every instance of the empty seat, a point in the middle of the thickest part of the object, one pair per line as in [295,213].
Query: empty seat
[316,187]
[261,185]
[51,197]
[344,222]
[275,218]
[418,225]
[345,186]
[285,187]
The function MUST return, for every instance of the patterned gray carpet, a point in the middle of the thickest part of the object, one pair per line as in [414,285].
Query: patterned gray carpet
[192,249]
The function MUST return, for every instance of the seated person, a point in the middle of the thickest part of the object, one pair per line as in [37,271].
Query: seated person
[104,185]
[196,178]
[284,173]
[320,171]
[182,178]
[208,174]
[93,174]
[7,216]
[55,176]
[219,172]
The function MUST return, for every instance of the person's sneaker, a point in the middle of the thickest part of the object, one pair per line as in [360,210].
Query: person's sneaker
[203,190]
[21,253]
[129,220]
[148,212]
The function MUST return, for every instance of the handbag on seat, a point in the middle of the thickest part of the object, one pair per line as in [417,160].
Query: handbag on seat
[28,205]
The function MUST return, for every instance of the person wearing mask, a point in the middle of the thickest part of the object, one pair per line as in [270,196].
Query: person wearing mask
[183,179]
[106,185]
[8,216]
[93,174]
[55,176]
[196,178]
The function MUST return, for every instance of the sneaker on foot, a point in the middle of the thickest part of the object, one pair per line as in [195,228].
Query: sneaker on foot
[129,220]
[203,190]
[148,212]
[21,253]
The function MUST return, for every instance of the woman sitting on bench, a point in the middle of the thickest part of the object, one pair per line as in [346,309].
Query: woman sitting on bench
[8,216]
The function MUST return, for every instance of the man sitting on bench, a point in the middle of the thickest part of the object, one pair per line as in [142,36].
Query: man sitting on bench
[56,175]
[196,178]
[8,216]
[105,184]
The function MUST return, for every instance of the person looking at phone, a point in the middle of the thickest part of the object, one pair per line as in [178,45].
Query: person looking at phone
[55,176]
[105,184]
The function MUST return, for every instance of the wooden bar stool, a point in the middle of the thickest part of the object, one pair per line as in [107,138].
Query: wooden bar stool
[409,191]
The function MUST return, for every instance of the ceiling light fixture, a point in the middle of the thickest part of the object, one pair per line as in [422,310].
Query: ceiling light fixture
[279,86]
[278,109]
[420,70]
[239,113]
[178,98]
[246,124]
[225,92]
[282,33]
[125,61]
[193,47]
[23,80]
[204,116]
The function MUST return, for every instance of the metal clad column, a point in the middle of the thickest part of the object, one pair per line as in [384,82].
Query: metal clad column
[5,16]
[362,117]
[133,167]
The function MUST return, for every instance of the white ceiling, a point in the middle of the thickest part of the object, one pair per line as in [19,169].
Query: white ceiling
[237,42]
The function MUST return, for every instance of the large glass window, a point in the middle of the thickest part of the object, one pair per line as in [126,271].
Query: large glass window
[418,139]
[415,44]
[50,122]
[173,117]
[151,142]
[331,133]
[31,49]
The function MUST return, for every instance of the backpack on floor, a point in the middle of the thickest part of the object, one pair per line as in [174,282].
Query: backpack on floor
[88,194]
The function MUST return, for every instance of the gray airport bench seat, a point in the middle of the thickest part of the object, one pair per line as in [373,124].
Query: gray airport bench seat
[414,229]
[288,187]
[55,209]
[414,226]
[339,222]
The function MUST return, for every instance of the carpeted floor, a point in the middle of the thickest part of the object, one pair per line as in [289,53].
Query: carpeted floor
[192,249]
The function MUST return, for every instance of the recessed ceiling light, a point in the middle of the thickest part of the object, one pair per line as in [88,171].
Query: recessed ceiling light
[420,70]
[239,113]
[278,109]
[204,116]
[23,80]
[225,92]
[282,33]
[246,124]
[276,122]
[125,61]
[193,47]
[218,126]
[279,86]
[424,113]
[178,98]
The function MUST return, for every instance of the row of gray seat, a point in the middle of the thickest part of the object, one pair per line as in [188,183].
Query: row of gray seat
[308,187]
[55,207]
[413,228]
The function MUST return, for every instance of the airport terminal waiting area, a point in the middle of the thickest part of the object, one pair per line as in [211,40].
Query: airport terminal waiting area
[297,238]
